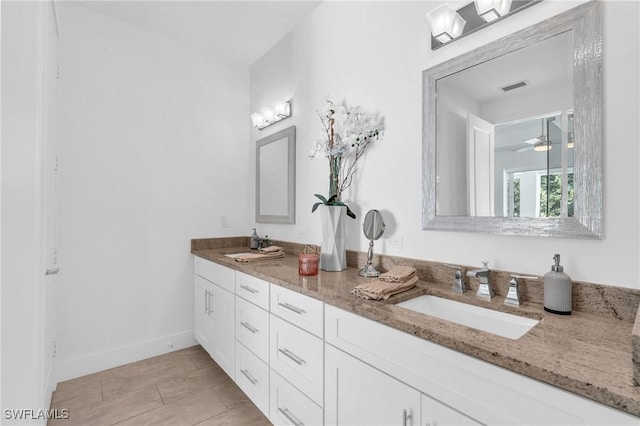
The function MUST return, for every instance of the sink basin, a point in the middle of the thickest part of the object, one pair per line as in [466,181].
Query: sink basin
[500,323]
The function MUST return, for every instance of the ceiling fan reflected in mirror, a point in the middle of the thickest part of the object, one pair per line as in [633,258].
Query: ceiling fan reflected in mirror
[540,143]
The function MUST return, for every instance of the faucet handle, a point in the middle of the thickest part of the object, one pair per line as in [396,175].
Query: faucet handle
[513,296]
[458,282]
[485,264]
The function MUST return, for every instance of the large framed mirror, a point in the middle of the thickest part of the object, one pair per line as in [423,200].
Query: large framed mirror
[512,133]
[276,177]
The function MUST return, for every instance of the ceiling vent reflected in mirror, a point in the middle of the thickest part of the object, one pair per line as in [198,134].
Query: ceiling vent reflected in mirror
[514,86]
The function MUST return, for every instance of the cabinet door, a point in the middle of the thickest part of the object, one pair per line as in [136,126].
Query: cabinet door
[203,316]
[222,346]
[435,413]
[358,394]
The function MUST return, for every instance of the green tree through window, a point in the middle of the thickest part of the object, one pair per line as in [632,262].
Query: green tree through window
[551,195]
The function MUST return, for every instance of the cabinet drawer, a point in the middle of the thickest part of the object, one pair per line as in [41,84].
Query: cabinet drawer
[298,309]
[298,357]
[215,273]
[252,376]
[252,328]
[253,289]
[289,406]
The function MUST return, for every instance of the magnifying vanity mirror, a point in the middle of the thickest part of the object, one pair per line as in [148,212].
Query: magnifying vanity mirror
[373,228]
[512,133]
[275,177]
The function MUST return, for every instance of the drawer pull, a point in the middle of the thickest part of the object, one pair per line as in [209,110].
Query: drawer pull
[249,377]
[249,289]
[407,418]
[292,308]
[295,358]
[52,271]
[293,419]
[206,302]
[249,327]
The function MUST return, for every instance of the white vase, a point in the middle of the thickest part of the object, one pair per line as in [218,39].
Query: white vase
[333,254]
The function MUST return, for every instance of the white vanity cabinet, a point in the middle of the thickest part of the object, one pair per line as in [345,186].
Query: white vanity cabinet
[358,394]
[215,312]
[252,339]
[460,388]
[203,315]
[296,358]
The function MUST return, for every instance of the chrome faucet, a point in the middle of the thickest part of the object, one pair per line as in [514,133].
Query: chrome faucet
[458,281]
[513,296]
[484,289]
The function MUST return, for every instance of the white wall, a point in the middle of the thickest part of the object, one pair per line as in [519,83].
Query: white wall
[153,152]
[22,275]
[373,54]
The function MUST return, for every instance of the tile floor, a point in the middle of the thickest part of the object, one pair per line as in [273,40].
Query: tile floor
[185,387]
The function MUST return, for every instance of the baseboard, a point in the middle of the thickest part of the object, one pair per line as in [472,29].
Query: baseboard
[88,364]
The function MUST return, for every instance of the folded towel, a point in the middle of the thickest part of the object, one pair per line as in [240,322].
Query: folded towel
[398,274]
[380,290]
[270,249]
[251,257]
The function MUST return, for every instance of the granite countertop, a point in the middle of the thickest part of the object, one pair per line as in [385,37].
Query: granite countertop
[583,353]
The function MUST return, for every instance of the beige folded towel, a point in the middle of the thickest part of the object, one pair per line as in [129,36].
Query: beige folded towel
[398,274]
[270,249]
[252,257]
[380,290]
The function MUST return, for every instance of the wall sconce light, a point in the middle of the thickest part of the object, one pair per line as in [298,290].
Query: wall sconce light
[448,25]
[490,10]
[267,116]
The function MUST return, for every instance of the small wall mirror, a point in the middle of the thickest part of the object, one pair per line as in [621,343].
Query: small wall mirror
[512,133]
[276,177]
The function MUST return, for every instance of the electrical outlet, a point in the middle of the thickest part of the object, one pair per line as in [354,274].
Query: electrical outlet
[224,221]
[394,242]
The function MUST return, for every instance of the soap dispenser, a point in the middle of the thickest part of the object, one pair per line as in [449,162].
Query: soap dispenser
[557,289]
[255,240]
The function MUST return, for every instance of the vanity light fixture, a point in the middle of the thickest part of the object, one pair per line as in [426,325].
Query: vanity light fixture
[542,146]
[267,116]
[490,10]
[446,23]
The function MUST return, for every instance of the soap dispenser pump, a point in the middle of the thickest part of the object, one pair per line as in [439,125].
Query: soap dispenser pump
[557,289]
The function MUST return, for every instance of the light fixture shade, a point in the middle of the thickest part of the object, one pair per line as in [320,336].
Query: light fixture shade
[490,10]
[282,109]
[267,115]
[446,24]
[256,119]
[542,146]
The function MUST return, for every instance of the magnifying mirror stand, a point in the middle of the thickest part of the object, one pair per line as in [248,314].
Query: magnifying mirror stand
[369,270]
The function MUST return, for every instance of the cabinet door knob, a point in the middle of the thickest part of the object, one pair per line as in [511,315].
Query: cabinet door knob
[52,271]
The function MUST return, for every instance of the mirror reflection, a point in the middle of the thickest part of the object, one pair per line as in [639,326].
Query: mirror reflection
[504,136]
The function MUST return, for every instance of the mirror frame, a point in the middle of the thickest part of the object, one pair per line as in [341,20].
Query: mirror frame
[587,222]
[290,134]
